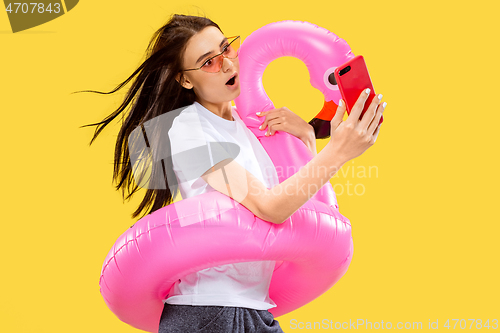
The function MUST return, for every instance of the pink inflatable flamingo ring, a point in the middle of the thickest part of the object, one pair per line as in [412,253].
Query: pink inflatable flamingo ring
[312,249]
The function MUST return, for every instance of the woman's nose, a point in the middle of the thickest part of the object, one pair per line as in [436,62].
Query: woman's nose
[227,64]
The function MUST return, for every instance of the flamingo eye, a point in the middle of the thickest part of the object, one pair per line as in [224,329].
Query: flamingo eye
[329,79]
[332,80]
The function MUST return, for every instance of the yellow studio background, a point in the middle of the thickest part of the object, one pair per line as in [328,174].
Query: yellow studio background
[425,225]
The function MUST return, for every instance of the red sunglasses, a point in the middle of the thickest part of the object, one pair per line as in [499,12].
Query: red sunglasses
[214,64]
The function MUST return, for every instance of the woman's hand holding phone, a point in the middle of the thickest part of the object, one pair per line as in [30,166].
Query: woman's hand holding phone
[350,138]
[352,78]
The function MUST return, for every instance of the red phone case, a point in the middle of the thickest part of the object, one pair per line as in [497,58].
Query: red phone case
[353,82]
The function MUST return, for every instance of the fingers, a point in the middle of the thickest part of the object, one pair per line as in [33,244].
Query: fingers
[263,125]
[358,107]
[375,122]
[339,114]
[262,114]
[375,134]
[370,114]
[271,117]
[273,126]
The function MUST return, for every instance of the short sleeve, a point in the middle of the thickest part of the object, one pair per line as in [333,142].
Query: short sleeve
[196,147]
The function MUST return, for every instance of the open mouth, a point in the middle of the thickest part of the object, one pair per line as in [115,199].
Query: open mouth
[230,82]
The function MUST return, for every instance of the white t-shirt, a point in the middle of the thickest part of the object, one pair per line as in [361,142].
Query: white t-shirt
[244,284]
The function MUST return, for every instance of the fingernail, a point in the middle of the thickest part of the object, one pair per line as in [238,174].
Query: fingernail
[384,104]
[260,127]
[380,96]
[367,91]
[257,113]
[341,102]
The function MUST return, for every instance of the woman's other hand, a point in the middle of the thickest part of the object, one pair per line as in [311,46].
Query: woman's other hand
[283,119]
[352,137]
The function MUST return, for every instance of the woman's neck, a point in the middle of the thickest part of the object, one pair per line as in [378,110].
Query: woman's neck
[223,110]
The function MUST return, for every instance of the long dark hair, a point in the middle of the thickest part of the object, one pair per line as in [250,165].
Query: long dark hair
[154,91]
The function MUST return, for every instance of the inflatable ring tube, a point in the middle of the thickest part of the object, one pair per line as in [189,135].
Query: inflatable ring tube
[319,49]
[313,248]
[322,52]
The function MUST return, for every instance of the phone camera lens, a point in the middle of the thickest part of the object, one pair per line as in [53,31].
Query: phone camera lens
[345,70]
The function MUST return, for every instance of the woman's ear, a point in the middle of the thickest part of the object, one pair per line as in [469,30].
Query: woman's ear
[183,81]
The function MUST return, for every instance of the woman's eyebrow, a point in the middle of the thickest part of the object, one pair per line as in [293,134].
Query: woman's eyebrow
[209,53]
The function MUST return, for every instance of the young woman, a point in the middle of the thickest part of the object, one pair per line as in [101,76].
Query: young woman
[191,64]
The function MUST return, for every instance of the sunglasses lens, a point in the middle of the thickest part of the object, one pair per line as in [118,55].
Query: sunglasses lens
[232,49]
[213,65]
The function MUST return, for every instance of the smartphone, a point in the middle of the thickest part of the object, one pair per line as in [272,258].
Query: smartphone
[352,78]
